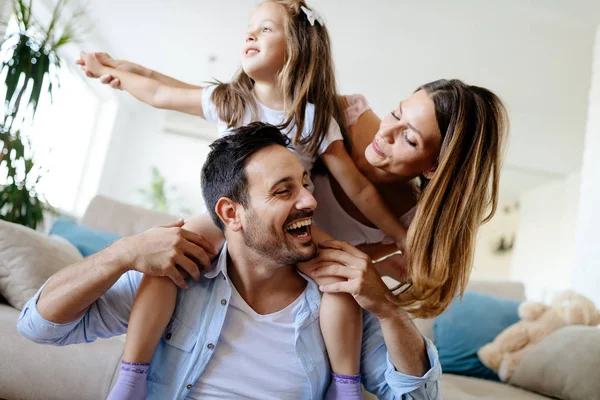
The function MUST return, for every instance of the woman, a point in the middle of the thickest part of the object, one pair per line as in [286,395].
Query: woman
[447,136]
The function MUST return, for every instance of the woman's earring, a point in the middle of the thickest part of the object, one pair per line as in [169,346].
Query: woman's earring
[428,175]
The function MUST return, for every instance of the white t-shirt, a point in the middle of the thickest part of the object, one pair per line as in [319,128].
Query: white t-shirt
[333,219]
[276,117]
[255,357]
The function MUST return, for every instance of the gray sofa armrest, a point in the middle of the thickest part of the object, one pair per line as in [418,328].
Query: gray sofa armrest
[108,215]
[508,289]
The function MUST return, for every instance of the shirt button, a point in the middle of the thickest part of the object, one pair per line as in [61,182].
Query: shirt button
[211,346]
[188,387]
[223,302]
[168,336]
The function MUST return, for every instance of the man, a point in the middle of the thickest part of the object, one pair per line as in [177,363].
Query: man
[249,327]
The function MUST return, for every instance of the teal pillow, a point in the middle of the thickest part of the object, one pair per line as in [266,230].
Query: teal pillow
[468,325]
[87,241]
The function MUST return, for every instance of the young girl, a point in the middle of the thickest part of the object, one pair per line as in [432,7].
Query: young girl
[286,79]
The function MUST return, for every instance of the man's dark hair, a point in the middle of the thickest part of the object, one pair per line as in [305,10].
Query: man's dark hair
[224,172]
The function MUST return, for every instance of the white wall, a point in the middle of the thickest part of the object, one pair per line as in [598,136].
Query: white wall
[544,254]
[138,144]
[4,14]
[586,277]
[488,264]
[539,63]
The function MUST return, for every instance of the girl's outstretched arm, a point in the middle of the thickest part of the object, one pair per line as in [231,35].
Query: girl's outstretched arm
[153,92]
[124,65]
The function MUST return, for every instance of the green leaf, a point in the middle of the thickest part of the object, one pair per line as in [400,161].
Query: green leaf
[29,54]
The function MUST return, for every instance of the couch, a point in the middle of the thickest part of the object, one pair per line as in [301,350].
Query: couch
[31,371]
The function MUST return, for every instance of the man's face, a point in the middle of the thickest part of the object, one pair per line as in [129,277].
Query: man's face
[277,222]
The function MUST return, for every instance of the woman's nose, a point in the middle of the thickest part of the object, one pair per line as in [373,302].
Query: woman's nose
[250,37]
[387,133]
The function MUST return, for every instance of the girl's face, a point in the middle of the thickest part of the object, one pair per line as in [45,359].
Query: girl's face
[263,53]
[408,141]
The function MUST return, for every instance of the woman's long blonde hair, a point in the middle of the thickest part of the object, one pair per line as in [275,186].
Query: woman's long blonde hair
[307,76]
[462,194]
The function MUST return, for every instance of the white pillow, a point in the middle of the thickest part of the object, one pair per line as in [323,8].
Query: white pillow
[27,259]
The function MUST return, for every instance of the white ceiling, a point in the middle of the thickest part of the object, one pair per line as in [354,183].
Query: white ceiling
[536,54]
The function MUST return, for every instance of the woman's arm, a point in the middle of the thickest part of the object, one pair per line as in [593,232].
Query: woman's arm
[150,91]
[362,192]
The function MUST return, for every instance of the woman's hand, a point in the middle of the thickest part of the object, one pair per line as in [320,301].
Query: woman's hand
[363,281]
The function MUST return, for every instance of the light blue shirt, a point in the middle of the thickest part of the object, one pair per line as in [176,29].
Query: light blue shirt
[190,338]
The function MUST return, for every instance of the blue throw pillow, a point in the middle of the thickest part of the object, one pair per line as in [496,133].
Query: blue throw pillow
[468,325]
[87,241]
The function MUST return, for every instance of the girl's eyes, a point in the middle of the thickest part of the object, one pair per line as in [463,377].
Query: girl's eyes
[265,29]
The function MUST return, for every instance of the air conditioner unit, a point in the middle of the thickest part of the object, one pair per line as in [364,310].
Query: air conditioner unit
[189,125]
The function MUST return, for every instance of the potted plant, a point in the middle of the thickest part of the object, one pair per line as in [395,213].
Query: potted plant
[30,65]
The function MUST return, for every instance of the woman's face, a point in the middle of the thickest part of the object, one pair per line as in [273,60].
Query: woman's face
[408,142]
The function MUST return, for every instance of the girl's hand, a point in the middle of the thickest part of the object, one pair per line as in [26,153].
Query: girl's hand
[363,281]
[91,65]
[106,60]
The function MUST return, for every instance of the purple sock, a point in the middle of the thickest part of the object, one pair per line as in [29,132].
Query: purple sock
[131,384]
[346,387]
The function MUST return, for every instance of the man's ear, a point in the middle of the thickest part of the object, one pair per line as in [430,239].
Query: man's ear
[229,212]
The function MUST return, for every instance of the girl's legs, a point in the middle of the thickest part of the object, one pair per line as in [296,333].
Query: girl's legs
[151,312]
[341,326]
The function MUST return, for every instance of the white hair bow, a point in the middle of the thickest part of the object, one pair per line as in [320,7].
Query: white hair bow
[313,15]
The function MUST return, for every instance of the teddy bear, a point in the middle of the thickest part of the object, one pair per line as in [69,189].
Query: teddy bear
[538,320]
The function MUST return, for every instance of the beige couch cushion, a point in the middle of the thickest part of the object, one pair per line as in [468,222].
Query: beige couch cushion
[565,365]
[31,371]
[455,387]
[27,259]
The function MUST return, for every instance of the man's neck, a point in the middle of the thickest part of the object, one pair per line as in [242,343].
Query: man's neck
[269,94]
[265,286]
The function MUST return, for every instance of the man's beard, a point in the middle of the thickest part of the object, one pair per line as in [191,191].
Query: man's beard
[276,244]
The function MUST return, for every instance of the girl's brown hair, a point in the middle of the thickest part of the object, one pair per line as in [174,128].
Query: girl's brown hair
[462,194]
[307,76]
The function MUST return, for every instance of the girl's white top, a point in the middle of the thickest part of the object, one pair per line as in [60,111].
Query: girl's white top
[276,117]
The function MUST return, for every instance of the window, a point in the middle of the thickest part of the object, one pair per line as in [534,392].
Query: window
[62,136]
